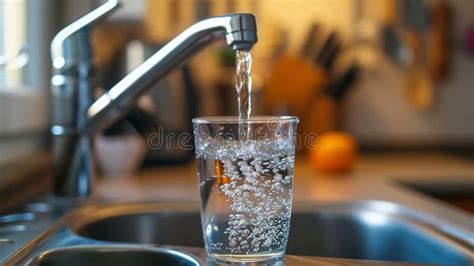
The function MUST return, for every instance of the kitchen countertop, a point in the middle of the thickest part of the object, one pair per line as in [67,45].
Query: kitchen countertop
[376,177]
[20,181]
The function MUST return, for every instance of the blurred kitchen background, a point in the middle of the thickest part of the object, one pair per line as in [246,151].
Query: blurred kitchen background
[392,75]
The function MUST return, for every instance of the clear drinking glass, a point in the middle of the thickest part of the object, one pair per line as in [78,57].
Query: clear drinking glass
[245,170]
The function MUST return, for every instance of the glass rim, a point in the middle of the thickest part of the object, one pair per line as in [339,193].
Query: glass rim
[236,120]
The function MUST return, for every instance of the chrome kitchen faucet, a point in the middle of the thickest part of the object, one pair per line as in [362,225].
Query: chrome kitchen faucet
[76,117]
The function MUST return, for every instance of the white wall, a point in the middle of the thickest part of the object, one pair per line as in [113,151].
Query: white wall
[376,111]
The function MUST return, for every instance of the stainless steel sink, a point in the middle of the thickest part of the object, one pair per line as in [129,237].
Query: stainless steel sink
[361,230]
[345,233]
[112,255]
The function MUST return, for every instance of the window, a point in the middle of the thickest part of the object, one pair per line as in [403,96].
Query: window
[12,42]
[25,33]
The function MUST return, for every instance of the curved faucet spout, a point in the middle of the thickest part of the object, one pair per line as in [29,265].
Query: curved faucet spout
[239,31]
[75,116]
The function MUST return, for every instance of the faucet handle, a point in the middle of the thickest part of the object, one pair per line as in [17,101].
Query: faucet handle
[64,44]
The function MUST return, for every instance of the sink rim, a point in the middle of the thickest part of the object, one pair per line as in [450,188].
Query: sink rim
[116,247]
[92,213]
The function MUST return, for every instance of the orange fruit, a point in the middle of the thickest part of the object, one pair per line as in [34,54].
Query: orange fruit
[334,152]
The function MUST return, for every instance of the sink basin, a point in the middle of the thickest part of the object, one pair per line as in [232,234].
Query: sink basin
[459,194]
[342,231]
[163,228]
[112,255]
